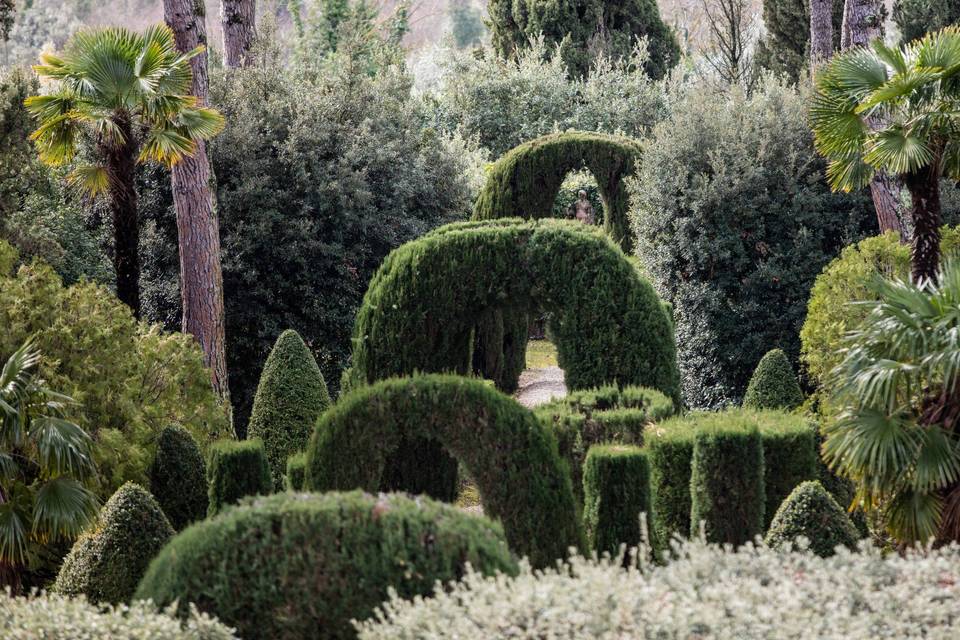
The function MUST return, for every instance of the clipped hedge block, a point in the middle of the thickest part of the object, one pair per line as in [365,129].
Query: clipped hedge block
[790,453]
[811,512]
[773,384]
[670,446]
[304,565]
[616,489]
[290,397]
[237,469]
[178,477]
[105,565]
[296,471]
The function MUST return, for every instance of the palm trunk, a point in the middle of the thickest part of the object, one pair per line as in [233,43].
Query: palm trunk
[821,32]
[238,19]
[924,187]
[198,231]
[121,164]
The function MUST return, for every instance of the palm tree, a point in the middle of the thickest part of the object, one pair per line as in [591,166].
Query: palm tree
[127,94]
[895,110]
[45,462]
[897,438]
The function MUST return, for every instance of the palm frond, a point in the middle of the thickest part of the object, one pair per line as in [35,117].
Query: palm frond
[63,508]
[90,178]
[14,531]
[914,516]
[63,447]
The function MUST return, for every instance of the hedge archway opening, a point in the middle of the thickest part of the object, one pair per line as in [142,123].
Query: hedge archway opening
[525,181]
[508,452]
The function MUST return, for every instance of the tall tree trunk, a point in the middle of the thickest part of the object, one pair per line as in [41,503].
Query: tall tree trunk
[238,19]
[121,164]
[924,187]
[821,32]
[201,277]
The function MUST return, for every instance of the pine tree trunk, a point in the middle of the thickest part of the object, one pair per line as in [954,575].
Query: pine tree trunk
[121,184]
[201,277]
[924,187]
[821,31]
[238,19]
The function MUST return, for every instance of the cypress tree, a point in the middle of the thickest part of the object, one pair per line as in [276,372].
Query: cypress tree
[915,18]
[786,47]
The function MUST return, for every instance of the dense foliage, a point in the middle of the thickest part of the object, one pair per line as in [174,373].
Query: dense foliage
[129,379]
[785,48]
[773,384]
[106,564]
[812,513]
[915,18]
[734,220]
[616,490]
[510,455]
[296,472]
[290,397]
[178,477]
[334,555]
[236,470]
[706,592]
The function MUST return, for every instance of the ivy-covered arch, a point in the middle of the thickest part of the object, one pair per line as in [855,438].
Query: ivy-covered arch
[525,181]
[505,448]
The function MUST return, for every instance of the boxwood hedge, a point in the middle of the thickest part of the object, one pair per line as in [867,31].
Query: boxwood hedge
[616,488]
[773,384]
[236,469]
[811,512]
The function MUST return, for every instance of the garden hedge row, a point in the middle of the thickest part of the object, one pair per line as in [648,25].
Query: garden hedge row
[303,565]
[525,181]
[616,489]
[512,457]
[178,477]
[237,469]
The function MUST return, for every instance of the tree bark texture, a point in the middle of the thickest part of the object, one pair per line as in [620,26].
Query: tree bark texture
[924,186]
[198,231]
[238,20]
[121,163]
[821,32]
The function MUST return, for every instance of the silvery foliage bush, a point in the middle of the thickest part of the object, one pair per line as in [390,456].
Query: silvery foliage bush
[705,592]
[54,617]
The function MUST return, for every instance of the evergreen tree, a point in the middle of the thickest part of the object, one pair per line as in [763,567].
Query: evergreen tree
[786,47]
[915,18]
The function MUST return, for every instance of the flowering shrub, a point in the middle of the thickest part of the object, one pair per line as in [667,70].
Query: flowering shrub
[705,592]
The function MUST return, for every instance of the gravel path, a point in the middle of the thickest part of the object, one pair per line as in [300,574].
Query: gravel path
[540,386]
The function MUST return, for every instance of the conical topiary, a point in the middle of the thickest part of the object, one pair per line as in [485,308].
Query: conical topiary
[178,477]
[106,565]
[291,396]
[773,384]
[811,512]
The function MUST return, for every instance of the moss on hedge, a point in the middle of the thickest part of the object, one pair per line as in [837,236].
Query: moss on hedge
[525,181]
[237,469]
[105,565]
[773,384]
[811,512]
[616,489]
[290,397]
[512,457]
[303,565]
[178,477]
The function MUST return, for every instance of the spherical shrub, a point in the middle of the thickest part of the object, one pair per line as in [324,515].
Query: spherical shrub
[237,469]
[773,384]
[106,565]
[291,396]
[616,489]
[303,565]
[811,512]
[178,477]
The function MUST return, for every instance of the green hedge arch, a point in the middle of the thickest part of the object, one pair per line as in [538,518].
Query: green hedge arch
[423,306]
[512,457]
[525,181]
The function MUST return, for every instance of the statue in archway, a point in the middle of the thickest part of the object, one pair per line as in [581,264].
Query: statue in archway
[583,209]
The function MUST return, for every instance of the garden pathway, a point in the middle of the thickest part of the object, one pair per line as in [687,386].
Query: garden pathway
[540,386]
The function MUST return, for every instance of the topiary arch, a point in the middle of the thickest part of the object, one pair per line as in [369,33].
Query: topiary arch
[504,447]
[525,181]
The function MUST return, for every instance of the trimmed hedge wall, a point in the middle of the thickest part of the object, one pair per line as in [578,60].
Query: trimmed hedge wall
[512,457]
[616,489]
[791,455]
[811,512]
[773,384]
[237,469]
[178,477]
[303,565]
[290,397]
[726,483]
[296,471]
[525,181]
[105,565]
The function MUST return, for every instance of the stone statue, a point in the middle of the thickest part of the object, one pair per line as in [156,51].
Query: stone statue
[583,210]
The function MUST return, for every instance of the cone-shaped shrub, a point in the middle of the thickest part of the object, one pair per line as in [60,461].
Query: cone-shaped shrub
[237,469]
[303,565]
[178,477]
[291,396]
[773,384]
[296,469]
[811,512]
[106,564]
[616,489]
[726,482]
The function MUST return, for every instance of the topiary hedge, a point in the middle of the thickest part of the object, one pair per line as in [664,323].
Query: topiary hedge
[524,182]
[303,565]
[616,489]
[178,477]
[106,564]
[811,512]
[790,452]
[290,397]
[773,384]
[514,460]
[296,471]
[237,469]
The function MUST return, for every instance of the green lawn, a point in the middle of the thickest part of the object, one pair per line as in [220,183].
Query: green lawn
[541,354]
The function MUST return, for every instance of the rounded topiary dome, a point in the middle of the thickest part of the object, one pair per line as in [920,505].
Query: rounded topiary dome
[773,384]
